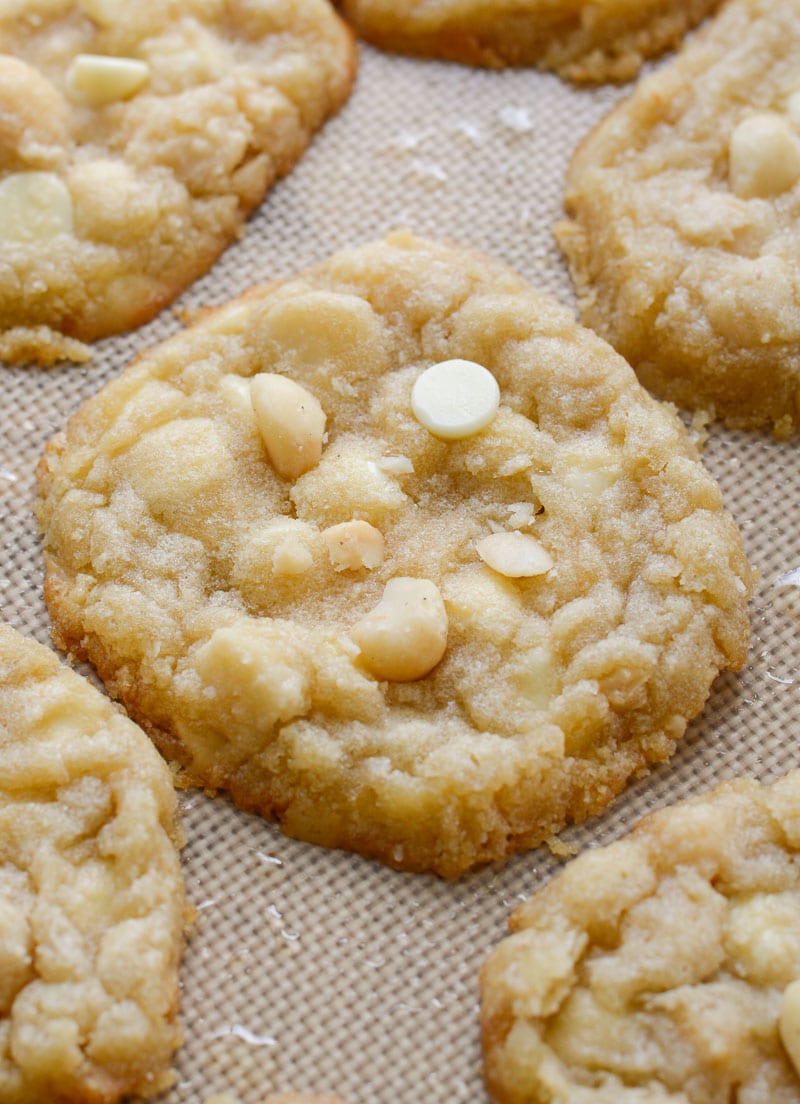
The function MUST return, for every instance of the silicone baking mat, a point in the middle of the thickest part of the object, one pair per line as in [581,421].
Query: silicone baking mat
[319,971]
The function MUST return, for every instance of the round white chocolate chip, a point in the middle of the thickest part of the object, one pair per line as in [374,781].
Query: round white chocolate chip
[405,635]
[354,544]
[764,155]
[34,206]
[789,1022]
[515,555]
[455,399]
[291,422]
[100,79]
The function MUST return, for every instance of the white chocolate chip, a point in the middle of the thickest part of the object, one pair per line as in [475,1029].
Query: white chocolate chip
[455,399]
[396,465]
[405,635]
[354,544]
[764,156]
[99,79]
[515,555]
[291,422]
[34,206]
[789,1023]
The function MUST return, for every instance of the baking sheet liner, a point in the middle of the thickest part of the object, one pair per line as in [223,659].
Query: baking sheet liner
[312,970]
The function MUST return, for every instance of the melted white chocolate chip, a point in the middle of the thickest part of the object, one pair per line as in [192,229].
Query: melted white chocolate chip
[764,156]
[515,555]
[455,399]
[405,635]
[291,422]
[99,79]
[34,206]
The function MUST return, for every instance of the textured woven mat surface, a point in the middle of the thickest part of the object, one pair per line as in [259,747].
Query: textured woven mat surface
[319,971]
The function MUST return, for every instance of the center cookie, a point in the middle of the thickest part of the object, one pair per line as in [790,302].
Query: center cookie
[583,40]
[135,138]
[397,552]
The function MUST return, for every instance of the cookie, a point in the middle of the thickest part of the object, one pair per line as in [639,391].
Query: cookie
[683,236]
[134,141]
[91,893]
[424,610]
[665,967]
[583,40]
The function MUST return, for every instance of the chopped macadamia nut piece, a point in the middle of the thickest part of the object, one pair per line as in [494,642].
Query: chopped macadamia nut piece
[405,635]
[353,545]
[98,79]
[34,206]
[764,156]
[291,422]
[789,1022]
[515,555]
[455,399]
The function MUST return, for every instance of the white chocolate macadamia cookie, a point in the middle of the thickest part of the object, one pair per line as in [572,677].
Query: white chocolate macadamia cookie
[662,969]
[135,139]
[684,230]
[583,40]
[434,652]
[91,894]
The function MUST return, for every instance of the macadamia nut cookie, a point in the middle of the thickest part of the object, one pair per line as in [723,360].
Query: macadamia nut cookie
[663,968]
[91,893]
[583,40]
[432,637]
[135,138]
[684,209]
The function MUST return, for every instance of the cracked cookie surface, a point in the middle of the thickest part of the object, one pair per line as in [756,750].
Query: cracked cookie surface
[662,969]
[583,40]
[432,651]
[684,206]
[134,141]
[90,882]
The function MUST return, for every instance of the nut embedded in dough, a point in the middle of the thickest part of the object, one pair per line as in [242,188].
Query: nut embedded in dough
[291,422]
[405,635]
[353,545]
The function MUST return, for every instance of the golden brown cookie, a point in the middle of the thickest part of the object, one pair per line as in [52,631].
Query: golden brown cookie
[684,207]
[583,40]
[428,621]
[91,893]
[663,968]
[135,138]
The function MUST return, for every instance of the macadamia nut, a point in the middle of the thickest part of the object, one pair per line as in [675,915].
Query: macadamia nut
[515,555]
[405,635]
[354,544]
[291,422]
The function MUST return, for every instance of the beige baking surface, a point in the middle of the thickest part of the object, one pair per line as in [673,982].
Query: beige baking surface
[313,970]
